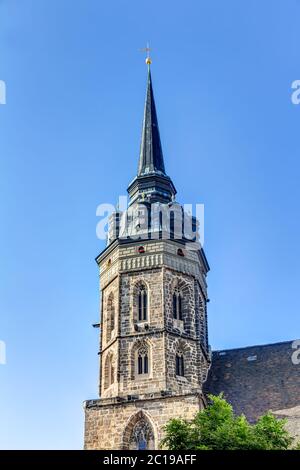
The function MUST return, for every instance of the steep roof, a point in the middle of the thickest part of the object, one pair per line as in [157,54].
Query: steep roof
[256,379]
[151,184]
[151,157]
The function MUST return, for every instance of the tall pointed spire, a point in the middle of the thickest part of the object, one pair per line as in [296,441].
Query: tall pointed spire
[151,157]
[151,183]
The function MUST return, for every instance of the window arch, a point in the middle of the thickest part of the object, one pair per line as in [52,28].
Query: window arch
[110,316]
[109,371]
[139,434]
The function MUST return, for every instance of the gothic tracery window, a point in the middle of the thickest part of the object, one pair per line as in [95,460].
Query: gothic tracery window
[177,305]
[142,361]
[142,435]
[142,303]
[139,434]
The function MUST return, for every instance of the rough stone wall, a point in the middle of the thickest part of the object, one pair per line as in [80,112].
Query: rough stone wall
[161,334]
[190,380]
[292,415]
[153,281]
[136,334]
[130,381]
[185,284]
[257,379]
[106,425]
[187,337]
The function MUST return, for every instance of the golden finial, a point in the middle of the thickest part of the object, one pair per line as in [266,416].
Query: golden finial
[147,50]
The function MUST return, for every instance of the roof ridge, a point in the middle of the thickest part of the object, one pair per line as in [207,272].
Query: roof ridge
[254,346]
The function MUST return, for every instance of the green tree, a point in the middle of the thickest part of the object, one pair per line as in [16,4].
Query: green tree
[217,428]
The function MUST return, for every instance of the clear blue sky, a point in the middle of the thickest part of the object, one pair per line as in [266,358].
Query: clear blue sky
[69,140]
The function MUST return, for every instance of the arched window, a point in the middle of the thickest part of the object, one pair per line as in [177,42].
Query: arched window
[142,304]
[110,317]
[179,364]
[112,373]
[177,306]
[109,371]
[139,433]
[172,225]
[142,361]
[180,307]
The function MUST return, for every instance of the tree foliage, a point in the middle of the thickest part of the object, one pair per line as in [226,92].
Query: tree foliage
[217,428]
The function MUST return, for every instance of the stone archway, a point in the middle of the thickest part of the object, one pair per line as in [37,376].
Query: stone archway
[139,433]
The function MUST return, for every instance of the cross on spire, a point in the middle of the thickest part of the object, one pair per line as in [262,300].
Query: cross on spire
[147,49]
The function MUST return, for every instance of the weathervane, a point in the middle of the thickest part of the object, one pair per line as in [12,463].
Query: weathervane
[147,50]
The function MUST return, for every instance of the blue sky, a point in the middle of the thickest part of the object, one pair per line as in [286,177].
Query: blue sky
[69,140]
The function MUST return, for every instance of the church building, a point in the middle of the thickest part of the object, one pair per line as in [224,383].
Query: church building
[155,359]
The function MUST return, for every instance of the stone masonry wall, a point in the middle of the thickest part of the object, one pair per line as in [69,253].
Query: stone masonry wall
[161,334]
[136,334]
[105,426]
[188,336]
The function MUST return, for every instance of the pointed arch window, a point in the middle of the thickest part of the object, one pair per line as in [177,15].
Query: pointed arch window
[177,306]
[179,364]
[112,373]
[110,319]
[139,433]
[172,225]
[143,363]
[109,371]
[142,304]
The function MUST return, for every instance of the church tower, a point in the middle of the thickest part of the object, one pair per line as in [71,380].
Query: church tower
[154,353]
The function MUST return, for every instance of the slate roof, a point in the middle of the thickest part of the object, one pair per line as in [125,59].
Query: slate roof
[256,379]
[151,156]
[151,184]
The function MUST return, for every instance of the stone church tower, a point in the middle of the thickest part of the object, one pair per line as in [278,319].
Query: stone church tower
[154,353]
